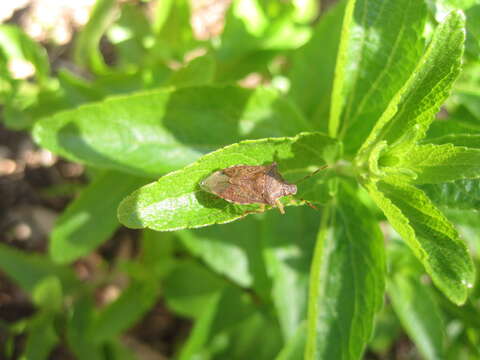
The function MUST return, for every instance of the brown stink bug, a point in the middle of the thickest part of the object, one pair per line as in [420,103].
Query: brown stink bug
[246,184]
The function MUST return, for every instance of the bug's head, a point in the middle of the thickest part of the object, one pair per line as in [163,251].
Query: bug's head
[289,189]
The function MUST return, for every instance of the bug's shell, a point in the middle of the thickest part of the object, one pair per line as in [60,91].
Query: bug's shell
[246,184]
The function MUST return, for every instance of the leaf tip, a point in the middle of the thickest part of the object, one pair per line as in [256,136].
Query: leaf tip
[457,17]
[127,213]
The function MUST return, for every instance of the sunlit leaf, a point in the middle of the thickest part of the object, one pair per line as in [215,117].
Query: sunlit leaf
[154,132]
[413,108]
[387,37]
[176,200]
[432,238]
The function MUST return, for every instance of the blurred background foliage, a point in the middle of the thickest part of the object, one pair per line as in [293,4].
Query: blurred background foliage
[76,285]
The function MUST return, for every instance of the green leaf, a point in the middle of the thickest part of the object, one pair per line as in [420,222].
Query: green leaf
[161,11]
[255,337]
[387,331]
[176,201]
[313,68]
[451,126]
[414,304]
[78,325]
[129,82]
[16,45]
[233,326]
[48,294]
[126,310]
[91,218]
[432,238]
[122,349]
[190,288]
[29,103]
[466,140]
[295,346]
[460,194]
[200,332]
[76,91]
[468,96]
[231,250]
[288,243]
[250,26]
[29,270]
[158,252]
[253,35]
[460,4]
[473,34]
[129,35]
[238,68]
[199,71]
[173,31]
[413,108]
[442,7]
[41,337]
[347,280]
[87,46]
[306,11]
[387,38]
[434,164]
[159,131]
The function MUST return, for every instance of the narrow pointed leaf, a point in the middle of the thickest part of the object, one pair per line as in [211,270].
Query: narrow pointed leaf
[415,305]
[29,270]
[432,238]
[413,108]
[295,347]
[313,67]
[453,125]
[419,314]
[173,29]
[176,201]
[199,71]
[460,194]
[16,45]
[87,46]
[151,133]
[288,247]
[77,329]
[467,140]
[91,218]
[434,164]
[347,281]
[380,46]
[42,337]
[190,287]
[231,250]
[126,310]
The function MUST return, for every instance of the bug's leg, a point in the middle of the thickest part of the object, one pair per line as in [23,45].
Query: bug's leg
[260,210]
[310,204]
[280,206]
[301,201]
[295,202]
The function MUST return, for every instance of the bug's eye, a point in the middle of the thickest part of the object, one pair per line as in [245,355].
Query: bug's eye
[291,189]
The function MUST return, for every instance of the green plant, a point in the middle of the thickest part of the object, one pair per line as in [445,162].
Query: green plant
[365,85]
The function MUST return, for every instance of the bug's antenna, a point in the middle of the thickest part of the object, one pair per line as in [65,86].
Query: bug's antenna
[310,175]
[310,204]
[305,178]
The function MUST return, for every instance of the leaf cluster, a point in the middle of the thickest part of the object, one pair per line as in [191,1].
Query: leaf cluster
[386,93]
